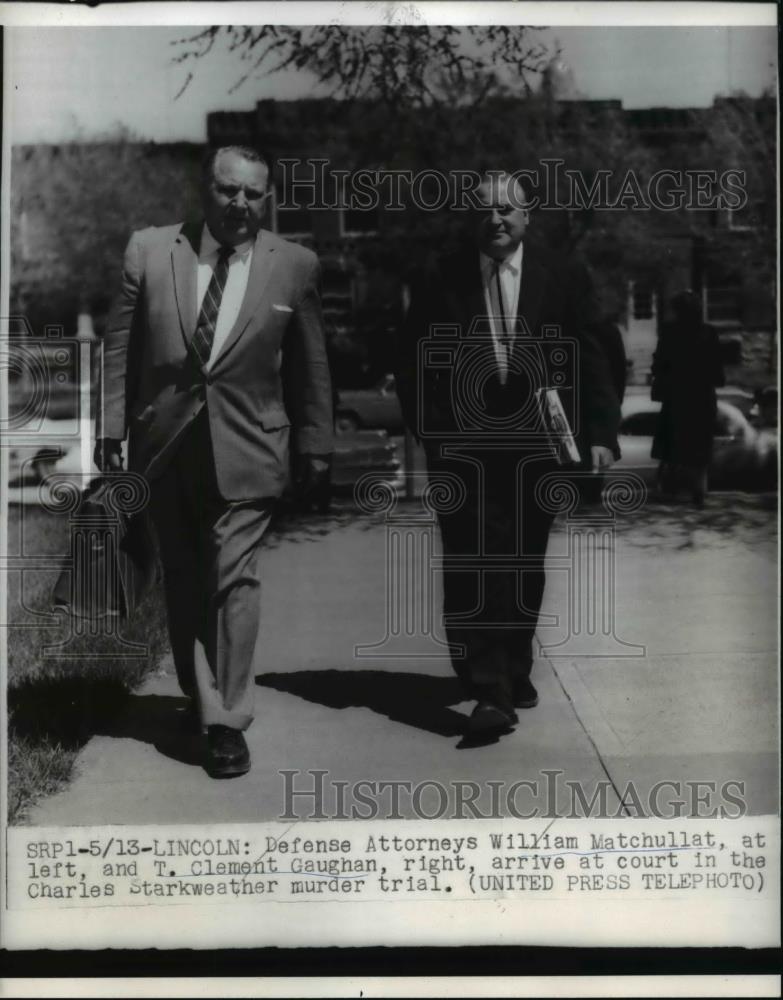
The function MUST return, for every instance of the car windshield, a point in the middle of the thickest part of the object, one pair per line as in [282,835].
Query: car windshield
[727,424]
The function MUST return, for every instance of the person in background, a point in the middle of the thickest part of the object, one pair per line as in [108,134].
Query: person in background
[687,368]
[614,348]
[764,412]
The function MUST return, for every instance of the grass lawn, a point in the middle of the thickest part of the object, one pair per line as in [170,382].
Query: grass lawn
[59,698]
[62,686]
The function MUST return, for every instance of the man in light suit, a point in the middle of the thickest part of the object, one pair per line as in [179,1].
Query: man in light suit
[214,361]
[475,413]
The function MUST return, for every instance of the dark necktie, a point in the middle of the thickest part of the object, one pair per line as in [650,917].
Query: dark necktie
[201,343]
[499,315]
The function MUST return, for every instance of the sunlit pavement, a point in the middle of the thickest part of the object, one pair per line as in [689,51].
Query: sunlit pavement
[680,685]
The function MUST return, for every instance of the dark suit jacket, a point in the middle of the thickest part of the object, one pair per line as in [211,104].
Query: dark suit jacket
[552,294]
[686,370]
[270,379]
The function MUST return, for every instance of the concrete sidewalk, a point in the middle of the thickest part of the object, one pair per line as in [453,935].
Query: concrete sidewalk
[700,702]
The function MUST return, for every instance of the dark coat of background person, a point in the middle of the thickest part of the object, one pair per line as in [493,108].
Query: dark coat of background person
[687,369]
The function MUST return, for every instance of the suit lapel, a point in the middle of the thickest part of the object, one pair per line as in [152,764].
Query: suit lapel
[261,267]
[531,296]
[184,265]
[464,281]
[531,292]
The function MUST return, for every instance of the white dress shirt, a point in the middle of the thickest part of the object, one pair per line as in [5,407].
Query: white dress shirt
[236,284]
[510,282]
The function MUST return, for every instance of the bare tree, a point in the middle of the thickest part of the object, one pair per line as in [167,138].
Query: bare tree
[399,65]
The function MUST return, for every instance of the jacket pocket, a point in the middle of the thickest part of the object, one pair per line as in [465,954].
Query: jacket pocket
[275,419]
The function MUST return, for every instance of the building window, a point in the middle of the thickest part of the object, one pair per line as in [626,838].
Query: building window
[359,221]
[337,295]
[642,302]
[722,304]
[746,219]
[294,221]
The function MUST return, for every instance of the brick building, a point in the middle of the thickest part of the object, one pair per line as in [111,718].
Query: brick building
[725,255]
[72,207]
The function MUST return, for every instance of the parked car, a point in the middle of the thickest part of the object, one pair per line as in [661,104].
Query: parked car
[58,400]
[377,407]
[764,412]
[54,448]
[733,394]
[41,447]
[742,457]
[740,398]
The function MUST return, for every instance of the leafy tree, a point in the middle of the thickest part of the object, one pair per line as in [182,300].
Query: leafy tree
[73,207]
[740,135]
[423,97]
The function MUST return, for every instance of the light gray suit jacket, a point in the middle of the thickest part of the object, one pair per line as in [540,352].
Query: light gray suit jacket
[269,381]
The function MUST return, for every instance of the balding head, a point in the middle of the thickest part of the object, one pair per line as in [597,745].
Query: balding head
[502,215]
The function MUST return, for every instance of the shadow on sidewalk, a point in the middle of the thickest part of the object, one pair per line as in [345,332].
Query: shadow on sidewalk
[726,519]
[70,710]
[160,720]
[65,709]
[417,700]
[296,526]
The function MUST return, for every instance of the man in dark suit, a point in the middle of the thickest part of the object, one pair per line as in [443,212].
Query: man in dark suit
[477,417]
[214,359]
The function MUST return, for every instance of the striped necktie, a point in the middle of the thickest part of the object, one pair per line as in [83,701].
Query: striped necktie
[201,343]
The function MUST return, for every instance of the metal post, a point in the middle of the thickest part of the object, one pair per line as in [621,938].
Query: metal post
[409,446]
[85,380]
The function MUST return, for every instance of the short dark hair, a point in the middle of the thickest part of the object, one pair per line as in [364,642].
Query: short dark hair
[246,152]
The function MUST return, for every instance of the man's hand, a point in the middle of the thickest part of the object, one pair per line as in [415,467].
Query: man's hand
[312,474]
[601,457]
[108,454]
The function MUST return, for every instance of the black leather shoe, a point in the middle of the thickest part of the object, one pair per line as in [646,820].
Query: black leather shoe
[490,719]
[227,754]
[524,694]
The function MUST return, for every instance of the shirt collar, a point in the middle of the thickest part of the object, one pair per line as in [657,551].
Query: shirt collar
[210,246]
[512,263]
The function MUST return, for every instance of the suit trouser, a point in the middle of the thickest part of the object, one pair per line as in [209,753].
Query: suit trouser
[490,610]
[210,550]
